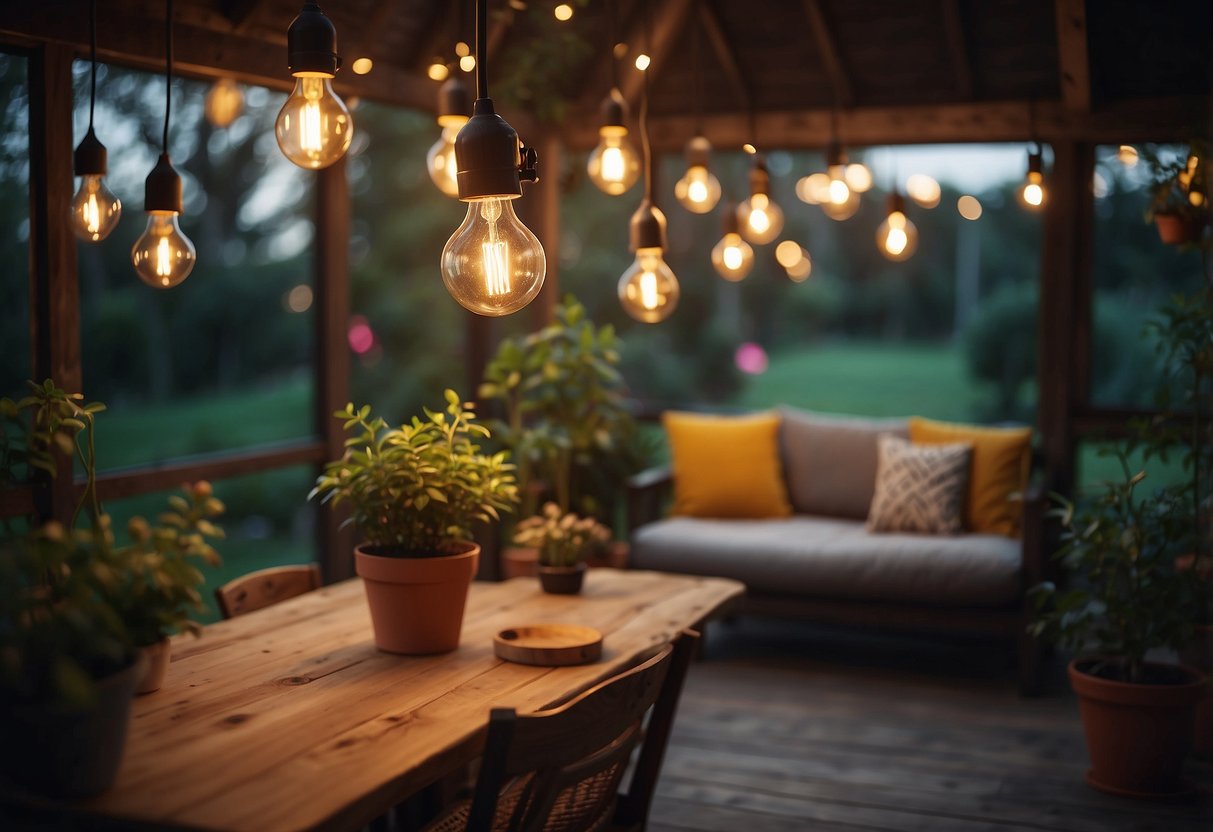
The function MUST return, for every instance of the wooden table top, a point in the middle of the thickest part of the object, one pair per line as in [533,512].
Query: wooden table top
[289,718]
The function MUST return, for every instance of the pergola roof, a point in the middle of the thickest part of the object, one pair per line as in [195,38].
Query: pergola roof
[780,72]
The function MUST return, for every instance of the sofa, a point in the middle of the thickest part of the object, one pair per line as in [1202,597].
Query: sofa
[821,560]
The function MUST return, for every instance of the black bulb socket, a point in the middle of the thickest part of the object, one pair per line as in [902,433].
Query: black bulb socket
[489,161]
[1035,162]
[454,99]
[91,158]
[835,155]
[895,202]
[729,224]
[760,177]
[311,43]
[613,112]
[698,152]
[162,191]
[647,227]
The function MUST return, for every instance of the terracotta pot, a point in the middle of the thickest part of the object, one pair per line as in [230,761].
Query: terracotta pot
[562,580]
[1137,734]
[417,603]
[157,656]
[1175,230]
[1199,654]
[67,751]
[519,561]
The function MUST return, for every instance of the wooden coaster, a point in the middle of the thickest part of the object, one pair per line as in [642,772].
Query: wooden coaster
[549,645]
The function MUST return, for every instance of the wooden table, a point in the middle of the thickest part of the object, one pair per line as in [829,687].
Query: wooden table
[289,718]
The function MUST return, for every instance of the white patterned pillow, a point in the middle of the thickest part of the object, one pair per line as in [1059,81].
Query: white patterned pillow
[919,488]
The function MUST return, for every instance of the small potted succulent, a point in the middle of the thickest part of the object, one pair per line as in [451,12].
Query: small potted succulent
[562,539]
[414,492]
[1129,596]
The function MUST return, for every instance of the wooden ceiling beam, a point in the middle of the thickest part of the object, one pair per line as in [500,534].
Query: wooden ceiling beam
[665,25]
[241,12]
[958,48]
[831,58]
[1164,119]
[726,55]
[1074,63]
[200,53]
[439,25]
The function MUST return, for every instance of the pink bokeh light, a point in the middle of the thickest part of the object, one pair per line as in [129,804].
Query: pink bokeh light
[360,335]
[750,358]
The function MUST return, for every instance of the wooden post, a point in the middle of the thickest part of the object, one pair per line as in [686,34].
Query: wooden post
[332,304]
[54,284]
[541,206]
[1063,343]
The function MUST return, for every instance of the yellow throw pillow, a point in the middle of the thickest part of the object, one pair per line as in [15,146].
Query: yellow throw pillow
[1001,458]
[726,466]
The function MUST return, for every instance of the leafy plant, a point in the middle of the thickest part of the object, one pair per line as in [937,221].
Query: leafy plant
[567,420]
[1180,184]
[1130,595]
[416,488]
[562,538]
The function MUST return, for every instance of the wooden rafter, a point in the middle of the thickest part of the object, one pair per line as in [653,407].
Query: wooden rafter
[438,27]
[831,58]
[665,24]
[722,46]
[1072,56]
[241,12]
[958,48]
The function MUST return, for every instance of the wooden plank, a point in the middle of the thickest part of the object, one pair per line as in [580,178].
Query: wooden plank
[54,285]
[827,49]
[726,55]
[1142,120]
[958,48]
[240,693]
[1074,65]
[332,354]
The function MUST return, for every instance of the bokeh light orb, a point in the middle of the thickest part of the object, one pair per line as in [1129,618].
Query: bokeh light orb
[751,359]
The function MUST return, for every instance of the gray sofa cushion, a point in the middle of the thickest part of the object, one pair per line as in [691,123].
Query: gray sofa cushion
[834,558]
[829,462]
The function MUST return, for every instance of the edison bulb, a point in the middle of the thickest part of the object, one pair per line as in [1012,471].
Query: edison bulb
[314,126]
[897,237]
[732,257]
[841,210]
[1032,194]
[224,102]
[761,219]
[649,290]
[163,256]
[493,265]
[614,166]
[441,158]
[698,190]
[95,209]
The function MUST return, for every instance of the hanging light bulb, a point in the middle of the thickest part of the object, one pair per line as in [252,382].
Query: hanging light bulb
[613,165]
[224,102]
[1032,194]
[896,237]
[453,107]
[841,201]
[698,190]
[732,256]
[95,209]
[163,256]
[760,217]
[648,289]
[492,264]
[314,127]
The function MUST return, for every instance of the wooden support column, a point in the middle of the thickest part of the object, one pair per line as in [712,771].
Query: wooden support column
[54,284]
[540,210]
[1063,343]
[332,305]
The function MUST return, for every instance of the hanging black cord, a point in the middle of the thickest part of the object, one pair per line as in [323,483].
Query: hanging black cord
[644,115]
[611,44]
[698,59]
[92,52]
[482,70]
[168,71]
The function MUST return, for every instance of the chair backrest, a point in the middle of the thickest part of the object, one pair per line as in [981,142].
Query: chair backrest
[561,769]
[266,587]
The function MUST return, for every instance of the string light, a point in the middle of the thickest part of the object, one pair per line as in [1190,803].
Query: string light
[314,127]
[95,210]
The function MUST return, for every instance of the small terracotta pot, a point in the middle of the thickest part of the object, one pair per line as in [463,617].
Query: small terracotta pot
[1137,734]
[417,603]
[157,656]
[519,561]
[561,580]
[1175,230]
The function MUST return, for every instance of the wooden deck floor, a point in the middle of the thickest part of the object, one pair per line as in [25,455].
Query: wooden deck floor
[786,727]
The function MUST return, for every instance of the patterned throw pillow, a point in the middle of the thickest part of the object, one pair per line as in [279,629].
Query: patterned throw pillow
[920,488]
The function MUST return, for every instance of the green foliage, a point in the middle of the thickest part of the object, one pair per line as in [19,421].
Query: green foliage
[1129,595]
[566,415]
[562,538]
[417,488]
[1175,180]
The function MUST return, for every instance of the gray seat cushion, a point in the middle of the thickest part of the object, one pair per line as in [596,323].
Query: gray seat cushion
[829,462]
[834,558]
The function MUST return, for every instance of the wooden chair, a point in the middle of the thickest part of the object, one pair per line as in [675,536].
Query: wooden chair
[561,769]
[266,587]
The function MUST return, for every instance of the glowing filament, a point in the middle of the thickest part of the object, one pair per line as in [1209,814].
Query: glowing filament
[649,298]
[612,164]
[1033,194]
[759,221]
[732,258]
[164,259]
[92,215]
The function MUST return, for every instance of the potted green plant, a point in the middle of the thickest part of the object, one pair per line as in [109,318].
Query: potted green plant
[563,539]
[1128,596]
[75,605]
[1179,206]
[413,493]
